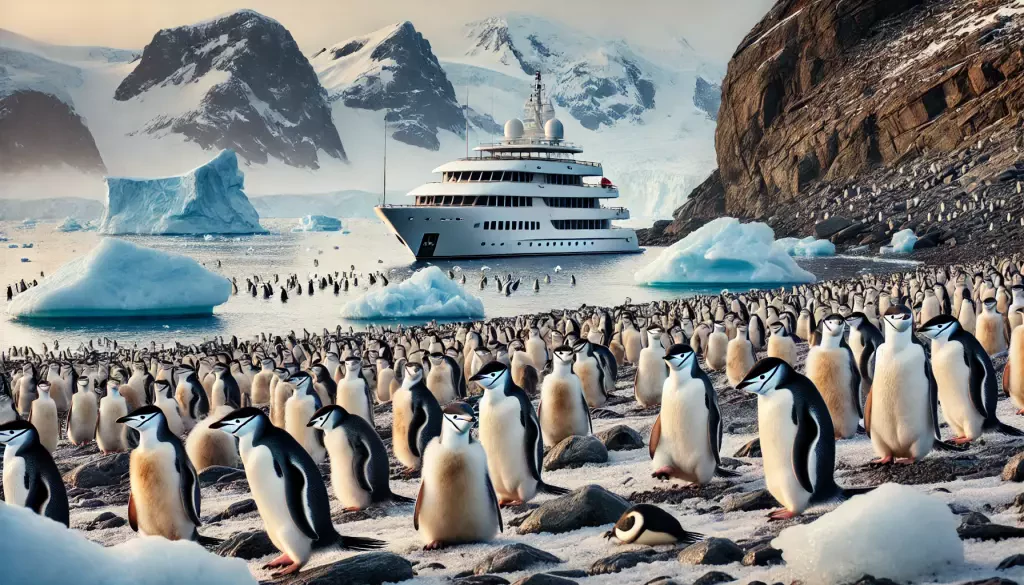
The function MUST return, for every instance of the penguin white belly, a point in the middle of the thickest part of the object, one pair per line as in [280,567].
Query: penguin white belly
[588,372]
[778,435]
[15,492]
[929,309]
[84,414]
[562,409]
[108,433]
[384,385]
[990,333]
[439,382]
[156,493]
[633,345]
[968,319]
[207,447]
[218,396]
[401,419]
[856,341]
[279,398]
[343,473]
[170,409]
[783,348]
[1016,365]
[537,350]
[269,493]
[900,420]
[504,440]
[953,377]
[684,443]
[352,397]
[829,369]
[651,374]
[456,506]
[260,392]
[739,358]
[718,347]
[44,418]
[297,412]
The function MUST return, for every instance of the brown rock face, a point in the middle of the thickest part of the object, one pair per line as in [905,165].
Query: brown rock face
[37,130]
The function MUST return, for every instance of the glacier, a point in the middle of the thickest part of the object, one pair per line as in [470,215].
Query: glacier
[805,247]
[318,223]
[160,284]
[724,251]
[206,200]
[902,243]
[427,294]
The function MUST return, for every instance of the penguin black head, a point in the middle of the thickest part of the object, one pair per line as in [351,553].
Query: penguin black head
[144,417]
[854,320]
[461,416]
[940,327]
[413,372]
[17,432]
[163,387]
[241,422]
[899,318]
[564,353]
[328,418]
[765,376]
[778,328]
[680,356]
[989,303]
[492,376]
[436,358]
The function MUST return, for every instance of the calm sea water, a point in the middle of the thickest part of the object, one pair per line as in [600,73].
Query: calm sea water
[601,280]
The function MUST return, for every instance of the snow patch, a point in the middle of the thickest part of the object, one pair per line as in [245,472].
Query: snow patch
[894,532]
[208,199]
[147,560]
[428,293]
[160,283]
[318,223]
[805,247]
[724,251]
[902,243]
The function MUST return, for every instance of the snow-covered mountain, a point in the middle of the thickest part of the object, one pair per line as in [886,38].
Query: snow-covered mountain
[261,99]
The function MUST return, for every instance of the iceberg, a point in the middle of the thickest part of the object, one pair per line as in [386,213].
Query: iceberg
[806,247]
[160,284]
[902,243]
[318,223]
[724,251]
[70,224]
[207,200]
[427,294]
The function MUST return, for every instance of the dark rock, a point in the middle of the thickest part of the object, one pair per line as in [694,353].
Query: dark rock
[621,438]
[75,493]
[247,545]
[749,501]
[1009,562]
[93,503]
[762,556]
[870,580]
[929,240]
[372,568]
[1014,468]
[713,578]
[512,558]
[849,234]
[115,522]
[430,567]
[824,230]
[713,551]
[105,471]
[480,580]
[665,580]
[38,130]
[590,505]
[575,451]
[989,532]
[974,519]
[627,559]
[569,573]
[236,509]
[992,581]
[212,475]
[544,579]
[751,449]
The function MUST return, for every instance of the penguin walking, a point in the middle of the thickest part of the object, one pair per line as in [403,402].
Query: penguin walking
[456,502]
[416,417]
[650,525]
[797,438]
[833,371]
[289,492]
[109,435]
[299,408]
[511,436]
[359,462]
[164,499]
[43,417]
[354,391]
[966,381]
[567,413]
[31,478]
[651,370]
[687,435]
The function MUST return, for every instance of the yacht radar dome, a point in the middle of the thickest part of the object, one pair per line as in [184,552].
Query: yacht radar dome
[514,129]
[553,129]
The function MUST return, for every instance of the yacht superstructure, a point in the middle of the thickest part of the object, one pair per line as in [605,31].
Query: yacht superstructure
[527,195]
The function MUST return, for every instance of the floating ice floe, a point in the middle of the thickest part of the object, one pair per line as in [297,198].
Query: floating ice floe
[146,560]
[318,223]
[806,247]
[70,224]
[27,224]
[206,200]
[161,283]
[902,243]
[895,532]
[724,251]
[427,294]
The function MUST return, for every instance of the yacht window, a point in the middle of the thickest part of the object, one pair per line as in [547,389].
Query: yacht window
[474,176]
[508,226]
[487,225]
[446,200]
[520,225]
[492,201]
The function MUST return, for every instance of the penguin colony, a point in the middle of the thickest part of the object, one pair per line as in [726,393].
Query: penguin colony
[474,405]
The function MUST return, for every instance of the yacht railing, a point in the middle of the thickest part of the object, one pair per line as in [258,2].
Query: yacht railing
[512,156]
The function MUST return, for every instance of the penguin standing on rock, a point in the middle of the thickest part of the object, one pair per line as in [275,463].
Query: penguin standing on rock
[833,371]
[31,478]
[289,492]
[456,502]
[650,525]
[797,439]
[359,462]
[966,381]
[416,417]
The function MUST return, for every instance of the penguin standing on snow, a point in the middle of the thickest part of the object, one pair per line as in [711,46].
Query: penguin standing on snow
[650,525]
[289,492]
[966,381]
[739,356]
[359,462]
[511,436]
[833,371]
[164,497]
[797,438]
[651,370]
[416,417]
[687,434]
[456,502]
[31,478]
[109,436]
[592,372]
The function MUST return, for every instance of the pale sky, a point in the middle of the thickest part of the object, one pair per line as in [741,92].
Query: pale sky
[713,27]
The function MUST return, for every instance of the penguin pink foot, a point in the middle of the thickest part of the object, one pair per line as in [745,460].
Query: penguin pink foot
[961,441]
[781,515]
[1020,412]
[288,570]
[436,545]
[352,509]
[664,473]
[906,461]
[509,503]
[881,460]
[280,561]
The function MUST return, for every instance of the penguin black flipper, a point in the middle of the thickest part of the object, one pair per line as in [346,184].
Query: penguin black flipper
[655,436]
[714,422]
[416,512]
[361,463]
[494,502]
[978,386]
[296,485]
[586,409]
[806,433]
[189,486]
[419,420]
[933,400]
[855,382]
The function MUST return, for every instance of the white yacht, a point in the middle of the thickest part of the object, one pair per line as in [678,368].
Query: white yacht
[527,195]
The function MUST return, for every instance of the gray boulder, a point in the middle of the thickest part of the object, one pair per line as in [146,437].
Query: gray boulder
[512,558]
[713,551]
[575,451]
[590,505]
[105,471]
[621,438]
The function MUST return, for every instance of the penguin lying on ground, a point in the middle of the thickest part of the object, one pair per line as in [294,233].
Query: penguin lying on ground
[650,525]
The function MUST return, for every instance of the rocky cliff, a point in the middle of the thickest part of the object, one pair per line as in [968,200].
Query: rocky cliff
[886,113]
[38,130]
